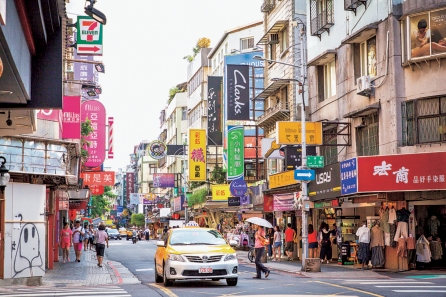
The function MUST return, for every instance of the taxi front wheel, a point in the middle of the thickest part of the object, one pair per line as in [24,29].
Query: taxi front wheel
[232,281]
[166,282]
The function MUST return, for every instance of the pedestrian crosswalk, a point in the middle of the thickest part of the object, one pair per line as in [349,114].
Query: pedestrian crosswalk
[112,291]
[402,285]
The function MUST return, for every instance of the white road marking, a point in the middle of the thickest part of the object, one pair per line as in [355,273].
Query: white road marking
[419,291]
[144,269]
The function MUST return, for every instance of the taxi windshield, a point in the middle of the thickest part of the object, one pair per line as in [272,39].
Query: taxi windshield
[196,237]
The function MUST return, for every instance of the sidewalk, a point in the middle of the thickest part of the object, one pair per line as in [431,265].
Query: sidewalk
[331,270]
[87,272]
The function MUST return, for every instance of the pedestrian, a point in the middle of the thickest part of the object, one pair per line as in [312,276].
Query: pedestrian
[78,233]
[65,241]
[259,246]
[289,241]
[325,242]
[101,241]
[147,234]
[86,236]
[364,244]
[312,242]
[91,237]
[270,236]
[277,248]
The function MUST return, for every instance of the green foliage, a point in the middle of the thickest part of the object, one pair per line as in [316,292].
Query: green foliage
[218,175]
[194,185]
[138,219]
[201,43]
[181,88]
[86,129]
[197,197]
[99,205]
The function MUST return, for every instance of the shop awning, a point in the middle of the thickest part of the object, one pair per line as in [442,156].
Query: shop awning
[366,110]
[362,34]
[274,29]
[271,89]
[323,58]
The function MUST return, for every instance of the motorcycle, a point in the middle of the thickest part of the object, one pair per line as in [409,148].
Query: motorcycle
[134,239]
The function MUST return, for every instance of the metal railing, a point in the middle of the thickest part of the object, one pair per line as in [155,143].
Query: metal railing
[321,16]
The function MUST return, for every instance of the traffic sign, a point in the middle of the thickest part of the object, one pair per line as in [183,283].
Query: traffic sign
[291,133]
[315,161]
[89,36]
[304,174]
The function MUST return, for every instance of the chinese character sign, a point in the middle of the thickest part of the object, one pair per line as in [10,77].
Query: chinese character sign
[349,180]
[410,172]
[197,154]
[164,180]
[236,158]
[95,112]
[96,190]
[100,178]
[129,184]
[215,136]
[71,117]
[220,192]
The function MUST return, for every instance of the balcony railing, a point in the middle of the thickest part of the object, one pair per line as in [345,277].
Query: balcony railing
[268,5]
[322,16]
[278,112]
[352,5]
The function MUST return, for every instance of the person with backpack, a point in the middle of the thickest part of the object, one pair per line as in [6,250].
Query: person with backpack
[78,237]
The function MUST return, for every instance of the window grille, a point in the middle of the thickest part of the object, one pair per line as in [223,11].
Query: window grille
[367,136]
[322,16]
[330,152]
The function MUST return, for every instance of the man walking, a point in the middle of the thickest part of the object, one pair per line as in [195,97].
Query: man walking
[259,246]
[289,242]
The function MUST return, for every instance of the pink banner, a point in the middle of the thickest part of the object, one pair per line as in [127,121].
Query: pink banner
[71,117]
[48,114]
[95,112]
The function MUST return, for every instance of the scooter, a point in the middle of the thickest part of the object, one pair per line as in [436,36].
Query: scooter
[134,239]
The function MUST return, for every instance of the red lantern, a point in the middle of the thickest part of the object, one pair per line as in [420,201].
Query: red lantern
[72,214]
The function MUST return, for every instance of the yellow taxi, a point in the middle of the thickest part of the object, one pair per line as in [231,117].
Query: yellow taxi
[123,232]
[195,253]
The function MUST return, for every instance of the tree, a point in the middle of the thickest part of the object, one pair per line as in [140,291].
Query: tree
[86,129]
[180,88]
[138,219]
[201,43]
[218,175]
[100,204]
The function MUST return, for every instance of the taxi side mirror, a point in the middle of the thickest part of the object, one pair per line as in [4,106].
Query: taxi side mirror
[160,243]
[233,242]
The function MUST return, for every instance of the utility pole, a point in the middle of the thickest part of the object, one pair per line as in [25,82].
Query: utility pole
[304,150]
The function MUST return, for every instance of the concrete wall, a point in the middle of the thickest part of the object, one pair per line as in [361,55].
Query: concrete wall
[25,230]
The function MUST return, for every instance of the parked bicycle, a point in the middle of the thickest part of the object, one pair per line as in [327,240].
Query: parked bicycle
[252,254]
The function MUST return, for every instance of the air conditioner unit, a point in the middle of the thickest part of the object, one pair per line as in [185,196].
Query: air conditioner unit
[273,39]
[364,86]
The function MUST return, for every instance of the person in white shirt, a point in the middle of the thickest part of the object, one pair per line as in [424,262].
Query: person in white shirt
[364,244]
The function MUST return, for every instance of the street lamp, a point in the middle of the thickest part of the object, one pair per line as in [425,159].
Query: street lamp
[4,175]
[257,57]
[94,13]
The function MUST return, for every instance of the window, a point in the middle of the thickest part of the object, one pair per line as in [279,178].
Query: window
[424,121]
[246,43]
[327,80]
[423,35]
[321,16]
[272,52]
[368,57]
[283,40]
[153,168]
[367,136]
[330,150]
[184,113]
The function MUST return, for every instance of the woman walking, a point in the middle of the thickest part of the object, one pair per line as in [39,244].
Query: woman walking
[260,248]
[270,236]
[277,248]
[91,238]
[86,237]
[101,241]
[78,233]
[65,241]
[312,242]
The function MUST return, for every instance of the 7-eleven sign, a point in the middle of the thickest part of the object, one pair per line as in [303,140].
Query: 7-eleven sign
[89,36]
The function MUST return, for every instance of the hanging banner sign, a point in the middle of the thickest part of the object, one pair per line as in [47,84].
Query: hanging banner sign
[104,178]
[71,117]
[215,133]
[95,112]
[236,158]
[197,154]
[237,92]
[220,192]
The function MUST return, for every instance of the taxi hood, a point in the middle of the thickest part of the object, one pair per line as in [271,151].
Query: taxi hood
[201,249]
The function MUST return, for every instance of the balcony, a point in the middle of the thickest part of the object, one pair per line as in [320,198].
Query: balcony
[268,5]
[278,112]
[352,5]
[322,16]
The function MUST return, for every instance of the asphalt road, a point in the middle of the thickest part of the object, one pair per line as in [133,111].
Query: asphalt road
[138,258]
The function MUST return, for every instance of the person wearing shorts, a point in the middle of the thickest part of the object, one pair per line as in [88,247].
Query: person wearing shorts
[277,247]
[101,241]
[289,242]
[77,231]
[312,242]
[65,241]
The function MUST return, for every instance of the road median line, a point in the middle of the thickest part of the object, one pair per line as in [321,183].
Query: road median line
[165,290]
[348,288]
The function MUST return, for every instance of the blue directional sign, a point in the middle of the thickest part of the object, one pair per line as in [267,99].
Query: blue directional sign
[304,174]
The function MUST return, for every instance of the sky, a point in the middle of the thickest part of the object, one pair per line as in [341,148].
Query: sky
[144,45]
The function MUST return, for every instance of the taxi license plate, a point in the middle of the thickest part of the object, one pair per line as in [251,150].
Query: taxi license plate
[205,270]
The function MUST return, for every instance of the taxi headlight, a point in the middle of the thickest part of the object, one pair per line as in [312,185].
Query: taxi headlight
[230,257]
[174,257]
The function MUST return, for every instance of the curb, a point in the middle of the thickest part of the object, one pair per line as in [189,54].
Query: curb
[117,274]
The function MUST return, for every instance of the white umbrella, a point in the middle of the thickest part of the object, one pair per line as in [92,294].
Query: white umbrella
[260,222]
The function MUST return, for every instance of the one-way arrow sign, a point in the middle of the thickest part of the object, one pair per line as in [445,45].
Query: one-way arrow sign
[304,174]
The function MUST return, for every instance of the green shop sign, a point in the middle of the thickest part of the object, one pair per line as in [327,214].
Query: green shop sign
[236,156]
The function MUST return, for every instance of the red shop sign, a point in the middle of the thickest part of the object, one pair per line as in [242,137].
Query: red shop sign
[410,172]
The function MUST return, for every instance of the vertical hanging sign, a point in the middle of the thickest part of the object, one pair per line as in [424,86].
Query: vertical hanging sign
[89,36]
[197,155]
[214,110]
[71,117]
[95,112]
[236,158]
[237,92]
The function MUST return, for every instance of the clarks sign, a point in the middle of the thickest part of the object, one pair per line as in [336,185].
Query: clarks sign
[237,92]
